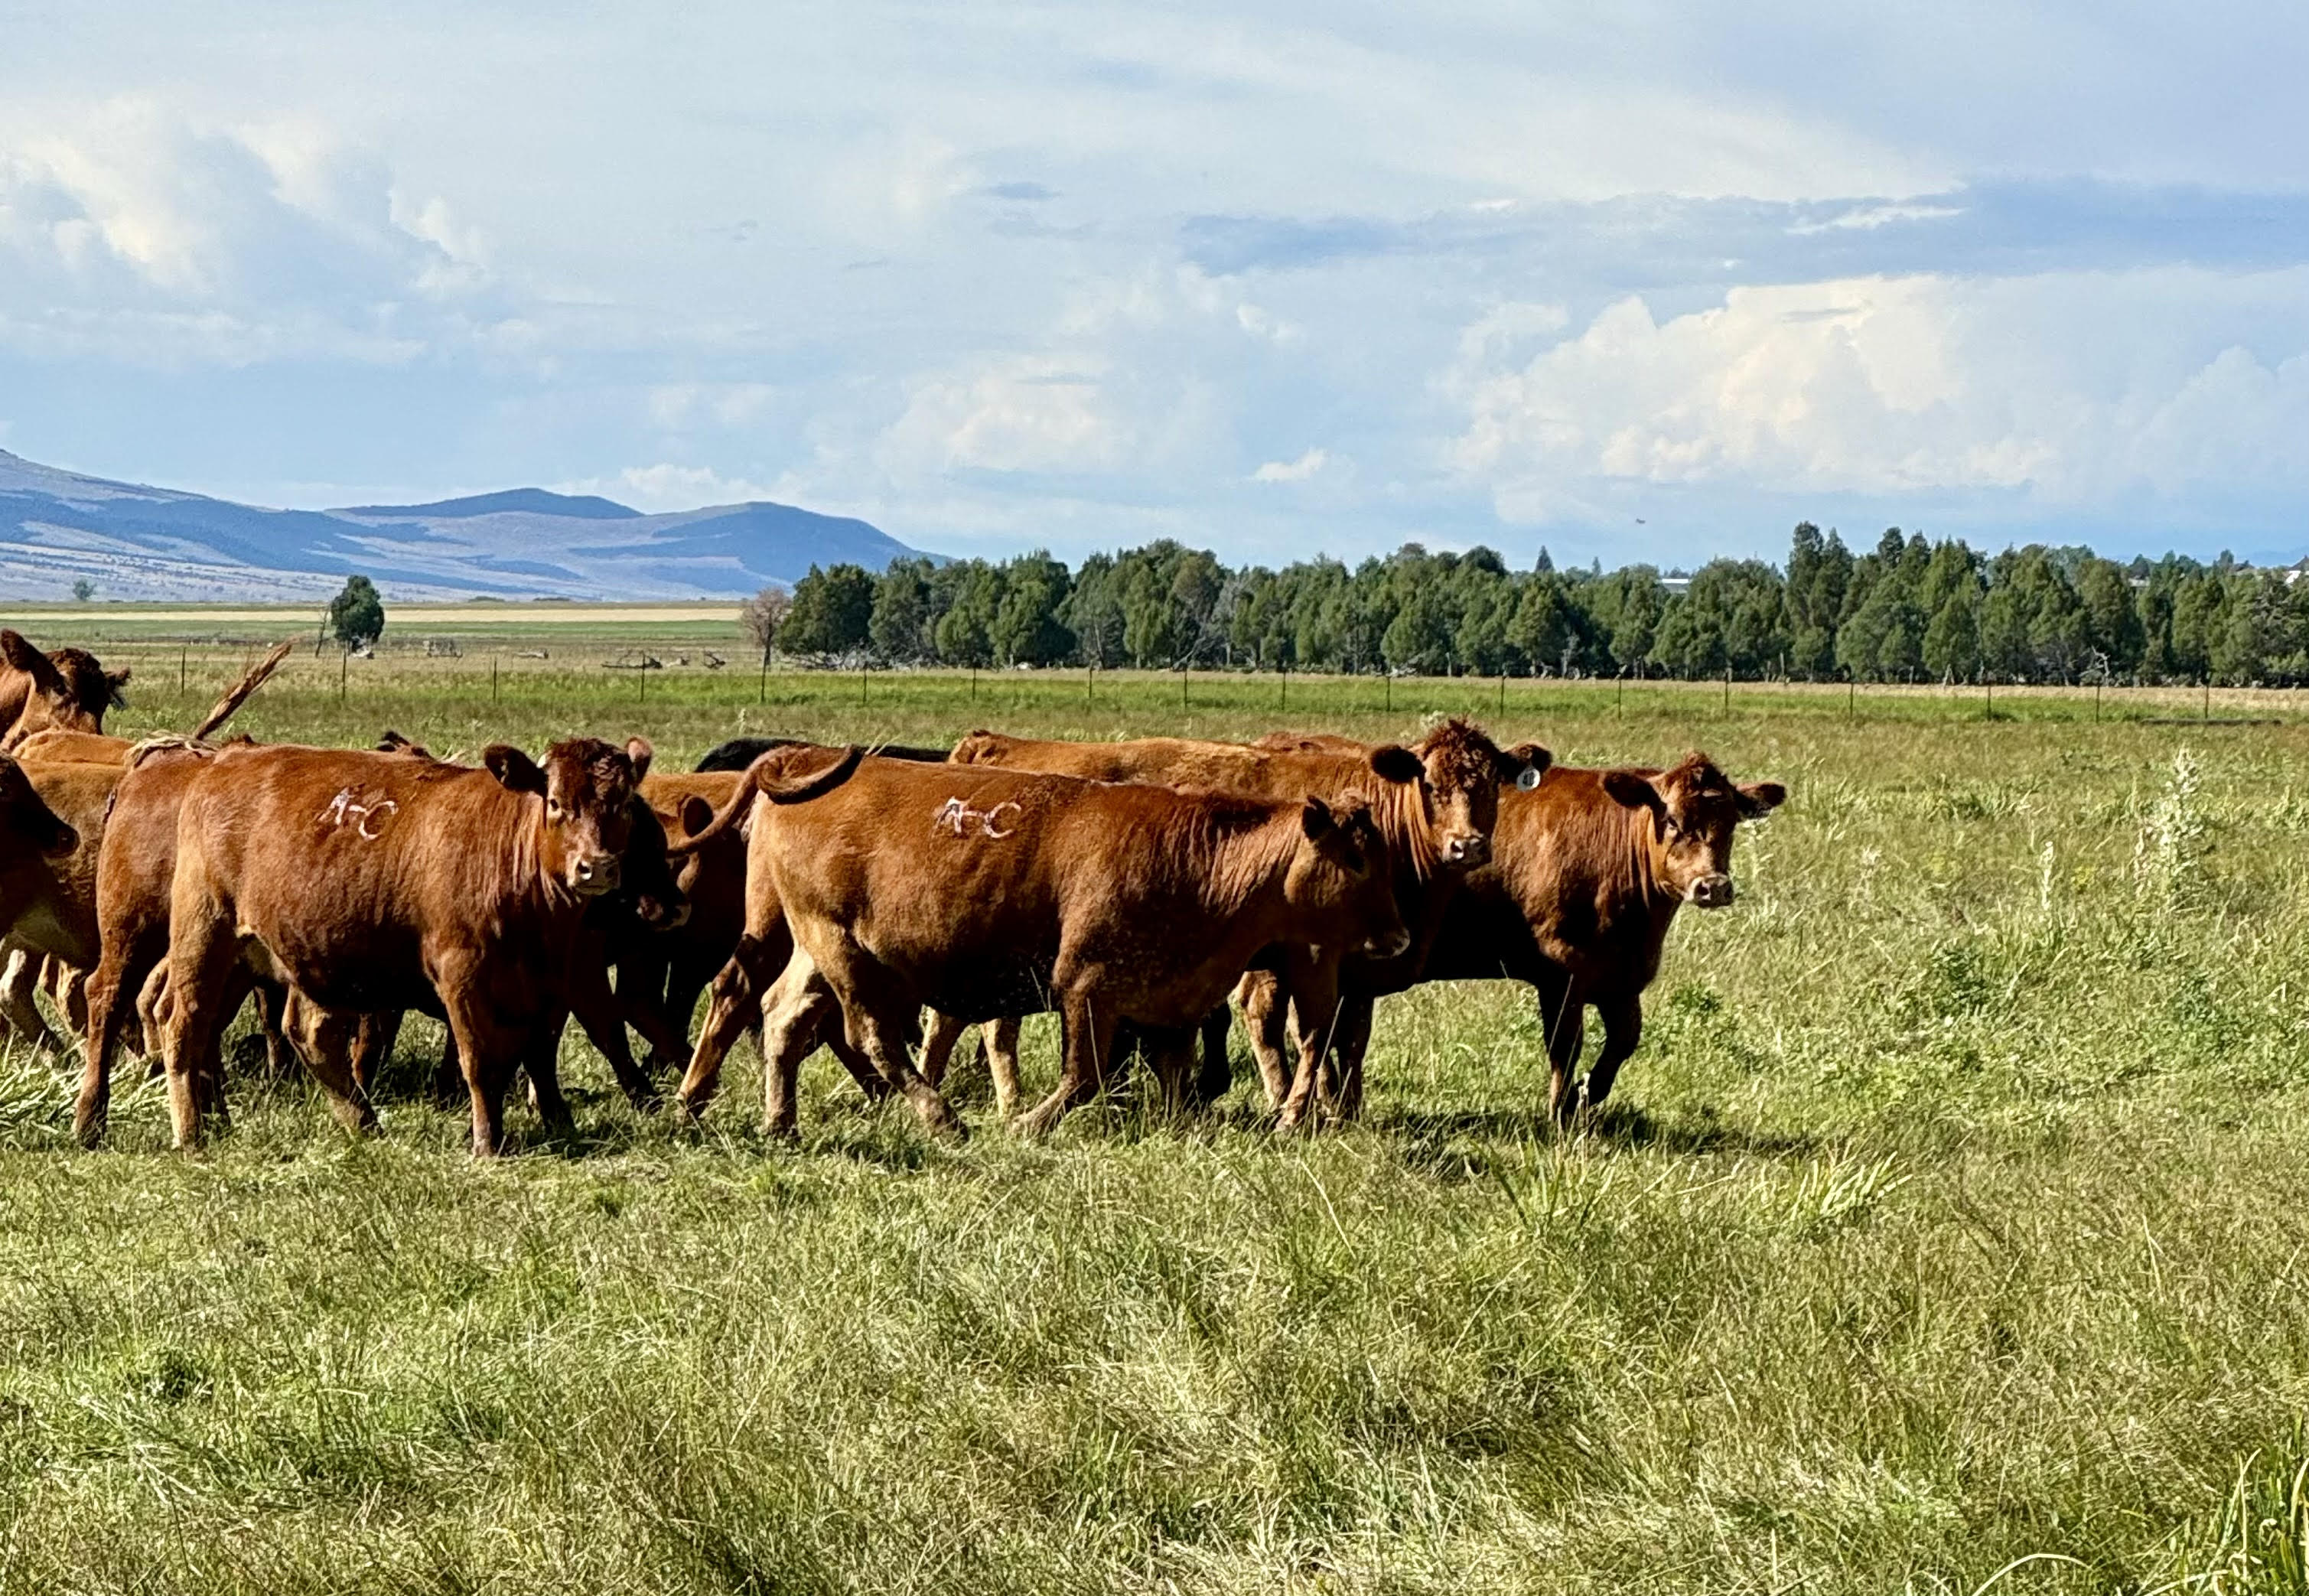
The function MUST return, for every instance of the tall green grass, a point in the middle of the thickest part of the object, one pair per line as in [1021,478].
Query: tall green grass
[1946,1233]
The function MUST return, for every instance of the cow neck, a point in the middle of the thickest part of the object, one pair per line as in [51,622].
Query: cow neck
[523,888]
[1247,860]
[1643,854]
[1408,825]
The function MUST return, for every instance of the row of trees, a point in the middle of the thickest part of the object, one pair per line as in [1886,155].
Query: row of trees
[1907,609]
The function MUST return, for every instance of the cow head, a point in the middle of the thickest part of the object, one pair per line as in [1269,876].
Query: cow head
[1464,769]
[586,791]
[1693,809]
[66,689]
[650,889]
[1341,871]
[26,820]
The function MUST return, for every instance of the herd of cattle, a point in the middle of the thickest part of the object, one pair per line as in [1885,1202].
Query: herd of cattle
[875,903]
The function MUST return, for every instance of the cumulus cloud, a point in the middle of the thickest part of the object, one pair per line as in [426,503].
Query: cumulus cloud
[1292,470]
[1891,386]
[129,226]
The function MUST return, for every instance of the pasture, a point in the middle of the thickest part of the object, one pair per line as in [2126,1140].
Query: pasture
[1950,1216]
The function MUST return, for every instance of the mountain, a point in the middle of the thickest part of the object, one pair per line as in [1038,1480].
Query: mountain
[138,542]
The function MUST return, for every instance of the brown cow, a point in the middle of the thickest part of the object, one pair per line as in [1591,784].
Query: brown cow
[1434,802]
[371,882]
[1586,877]
[66,687]
[1007,893]
[49,910]
[63,744]
[35,842]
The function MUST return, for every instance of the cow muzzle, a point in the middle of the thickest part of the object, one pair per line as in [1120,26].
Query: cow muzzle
[1710,892]
[591,878]
[1468,851]
[1393,945]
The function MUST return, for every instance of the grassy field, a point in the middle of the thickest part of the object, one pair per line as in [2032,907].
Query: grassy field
[1952,1215]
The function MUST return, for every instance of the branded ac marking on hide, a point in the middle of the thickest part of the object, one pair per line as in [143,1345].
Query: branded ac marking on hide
[957,817]
[342,809]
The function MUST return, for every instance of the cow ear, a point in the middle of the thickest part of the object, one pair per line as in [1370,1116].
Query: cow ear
[19,652]
[1760,798]
[116,685]
[641,753]
[515,771]
[696,814]
[1637,792]
[1525,764]
[1316,820]
[1397,763]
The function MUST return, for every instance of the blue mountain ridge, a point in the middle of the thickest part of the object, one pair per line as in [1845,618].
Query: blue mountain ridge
[134,541]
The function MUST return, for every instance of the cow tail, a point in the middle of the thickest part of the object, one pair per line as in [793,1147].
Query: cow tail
[791,789]
[777,787]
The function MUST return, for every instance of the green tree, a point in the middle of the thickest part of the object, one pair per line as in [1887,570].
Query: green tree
[900,628]
[965,633]
[1026,628]
[833,611]
[356,614]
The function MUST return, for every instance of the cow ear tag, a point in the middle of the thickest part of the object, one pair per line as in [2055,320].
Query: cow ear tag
[1528,780]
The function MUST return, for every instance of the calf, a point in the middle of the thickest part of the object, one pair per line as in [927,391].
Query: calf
[33,840]
[1435,803]
[372,882]
[66,687]
[983,893]
[1586,877]
[48,909]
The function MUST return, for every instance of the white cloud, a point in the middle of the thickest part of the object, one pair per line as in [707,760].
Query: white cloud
[664,487]
[1892,386]
[1292,470]
[129,229]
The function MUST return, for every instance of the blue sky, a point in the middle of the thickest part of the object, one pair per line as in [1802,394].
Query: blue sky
[1276,279]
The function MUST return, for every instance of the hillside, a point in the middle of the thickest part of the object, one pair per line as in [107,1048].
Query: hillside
[135,542]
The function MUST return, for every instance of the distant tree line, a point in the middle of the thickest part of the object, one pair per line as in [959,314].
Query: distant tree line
[1907,610]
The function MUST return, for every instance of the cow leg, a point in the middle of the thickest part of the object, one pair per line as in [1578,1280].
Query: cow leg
[67,987]
[1563,1021]
[798,1012]
[1171,1054]
[603,1018]
[540,1057]
[203,953]
[128,966]
[939,1039]
[1315,1008]
[488,1058]
[1087,1047]
[1264,1013]
[272,1019]
[999,1038]
[18,982]
[1349,1041]
[729,1013]
[152,1008]
[1623,1028]
[326,1039]
[449,1082]
[373,1035]
[881,1037]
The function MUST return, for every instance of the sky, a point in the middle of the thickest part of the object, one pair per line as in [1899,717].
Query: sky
[1648,281]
